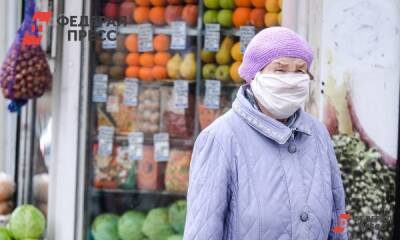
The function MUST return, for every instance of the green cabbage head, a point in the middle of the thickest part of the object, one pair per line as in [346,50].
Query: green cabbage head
[177,216]
[27,222]
[156,225]
[130,226]
[105,227]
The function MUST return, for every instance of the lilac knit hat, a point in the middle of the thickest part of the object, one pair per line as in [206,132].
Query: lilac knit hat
[270,44]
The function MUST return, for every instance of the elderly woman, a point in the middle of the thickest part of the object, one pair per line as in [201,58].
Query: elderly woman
[266,170]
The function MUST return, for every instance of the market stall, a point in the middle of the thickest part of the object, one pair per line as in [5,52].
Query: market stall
[171,71]
[112,141]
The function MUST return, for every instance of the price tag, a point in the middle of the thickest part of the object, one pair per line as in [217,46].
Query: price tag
[145,37]
[161,147]
[100,88]
[109,35]
[135,140]
[246,33]
[179,34]
[180,94]
[213,93]
[112,104]
[131,92]
[212,37]
[105,138]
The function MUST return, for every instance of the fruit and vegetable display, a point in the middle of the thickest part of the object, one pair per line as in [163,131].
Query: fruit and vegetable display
[369,186]
[162,223]
[178,122]
[177,172]
[115,170]
[115,113]
[26,222]
[150,173]
[149,110]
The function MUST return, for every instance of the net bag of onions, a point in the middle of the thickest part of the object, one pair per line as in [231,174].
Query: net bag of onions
[25,73]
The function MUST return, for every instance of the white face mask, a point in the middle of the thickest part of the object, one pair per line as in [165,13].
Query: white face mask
[281,94]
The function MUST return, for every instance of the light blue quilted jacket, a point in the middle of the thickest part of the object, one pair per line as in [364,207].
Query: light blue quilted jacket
[254,178]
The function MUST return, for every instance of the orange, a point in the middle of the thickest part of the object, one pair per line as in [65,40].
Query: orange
[146,60]
[132,71]
[145,74]
[143,3]
[161,43]
[280,4]
[257,17]
[271,19]
[141,14]
[132,59]
[162,58]
[241,16]
[159,72]
[131,43]
[272,6]
[157,15]
[158,2]
[243,3]
[258,3]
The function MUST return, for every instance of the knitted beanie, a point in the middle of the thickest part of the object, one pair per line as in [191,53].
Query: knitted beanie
[270,44]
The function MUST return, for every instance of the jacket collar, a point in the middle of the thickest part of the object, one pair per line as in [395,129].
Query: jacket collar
[266,125]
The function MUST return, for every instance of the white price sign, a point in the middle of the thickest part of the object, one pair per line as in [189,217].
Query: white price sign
[213,93]
[105,138]
[180,94]
[100,82]
[179,34]
[246,34]
[135,140]
[161,146]
[109,32]
[112,104]
[131,91]
[145,37]
[212,37]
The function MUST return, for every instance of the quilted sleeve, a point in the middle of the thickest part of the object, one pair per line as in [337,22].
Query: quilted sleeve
[208,193]
[338,223]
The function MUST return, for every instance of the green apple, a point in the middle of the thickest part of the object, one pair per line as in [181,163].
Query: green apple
[207,56]
[225,18]
[210,16]
[208,71]
[212,4]
[222,73]
[227,4]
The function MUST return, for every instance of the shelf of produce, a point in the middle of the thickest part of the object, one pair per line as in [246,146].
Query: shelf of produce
[99,191]
[133,28]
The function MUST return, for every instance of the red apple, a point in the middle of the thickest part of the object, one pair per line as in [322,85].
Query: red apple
[189,15]
[111,10]
[126,10]
[173,13]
